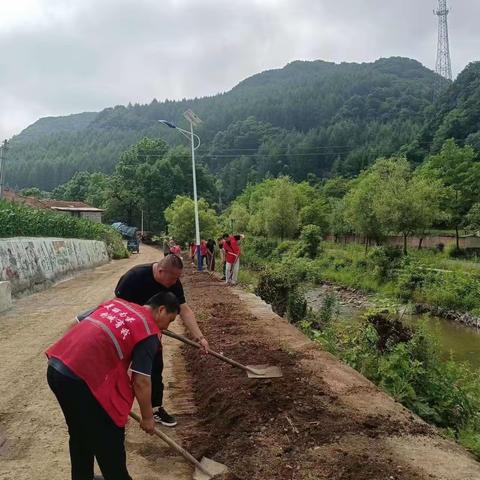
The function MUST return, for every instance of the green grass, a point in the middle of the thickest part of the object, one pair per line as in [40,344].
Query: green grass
[423,276]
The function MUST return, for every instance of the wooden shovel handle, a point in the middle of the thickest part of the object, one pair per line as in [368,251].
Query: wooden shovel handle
[186,340]
[190,458]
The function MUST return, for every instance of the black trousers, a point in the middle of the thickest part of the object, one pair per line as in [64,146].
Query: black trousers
[157,379]
[92,432]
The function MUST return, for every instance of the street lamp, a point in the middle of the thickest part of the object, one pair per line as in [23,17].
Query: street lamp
[193,120]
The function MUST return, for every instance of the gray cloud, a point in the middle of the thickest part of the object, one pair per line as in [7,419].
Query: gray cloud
[69,56]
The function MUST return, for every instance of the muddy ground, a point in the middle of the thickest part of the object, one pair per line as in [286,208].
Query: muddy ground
[321,420]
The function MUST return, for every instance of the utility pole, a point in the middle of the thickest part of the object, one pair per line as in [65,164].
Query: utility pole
[444,64]
[3,158]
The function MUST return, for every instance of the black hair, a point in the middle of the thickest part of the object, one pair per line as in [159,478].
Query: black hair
[171,261]
[225,235]
[165,299]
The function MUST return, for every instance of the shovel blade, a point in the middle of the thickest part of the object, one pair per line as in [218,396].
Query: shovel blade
[264,371]
[215,468]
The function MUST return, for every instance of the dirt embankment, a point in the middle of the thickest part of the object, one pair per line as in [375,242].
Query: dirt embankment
[321,420]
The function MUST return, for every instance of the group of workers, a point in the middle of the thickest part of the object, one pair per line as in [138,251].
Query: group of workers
[230,251]
[88,368]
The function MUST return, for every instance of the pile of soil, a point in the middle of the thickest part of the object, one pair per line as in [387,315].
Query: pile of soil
[390,330]
[284,428]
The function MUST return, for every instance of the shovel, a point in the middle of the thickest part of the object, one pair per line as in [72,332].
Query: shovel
[204,470]
[253,371]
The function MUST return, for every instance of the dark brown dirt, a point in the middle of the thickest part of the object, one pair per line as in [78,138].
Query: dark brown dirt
[284,428]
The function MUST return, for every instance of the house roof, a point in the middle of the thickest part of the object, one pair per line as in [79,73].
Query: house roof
[48,204]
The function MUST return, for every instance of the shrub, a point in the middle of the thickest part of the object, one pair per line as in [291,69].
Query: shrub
[296,305]
[311,237]
[384,261]
[454,252]
[409,280]
[18,220]
[280,287]
[274,287]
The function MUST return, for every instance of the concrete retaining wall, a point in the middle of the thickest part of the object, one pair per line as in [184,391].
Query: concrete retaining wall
[412,242]
[30,264]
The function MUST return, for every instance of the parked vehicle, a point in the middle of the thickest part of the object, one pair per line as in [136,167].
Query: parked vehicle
[133,245]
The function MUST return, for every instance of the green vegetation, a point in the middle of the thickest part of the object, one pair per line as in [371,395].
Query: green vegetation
[454,115]
[408,365]
[16,220]
[421,277]
[148,177]
[308,118]
[180,216]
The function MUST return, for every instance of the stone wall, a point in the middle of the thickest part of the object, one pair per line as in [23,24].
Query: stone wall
[412,242]
[30,264]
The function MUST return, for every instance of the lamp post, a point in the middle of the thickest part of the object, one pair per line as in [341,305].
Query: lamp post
[193,120]
[3,155]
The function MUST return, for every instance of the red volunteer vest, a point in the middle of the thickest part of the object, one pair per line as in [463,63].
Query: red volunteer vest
[231,249]
[99,351]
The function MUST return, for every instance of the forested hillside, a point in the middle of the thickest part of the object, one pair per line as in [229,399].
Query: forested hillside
[456,114]
[306,118]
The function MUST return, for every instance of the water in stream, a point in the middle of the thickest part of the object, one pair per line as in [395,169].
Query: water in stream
[459,340]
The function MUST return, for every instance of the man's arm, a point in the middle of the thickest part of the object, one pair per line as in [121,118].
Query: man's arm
[188,318]
[142,387]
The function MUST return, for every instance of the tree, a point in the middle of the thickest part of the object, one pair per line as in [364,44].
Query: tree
[359,208]
[405,203]
[311,237]
[180,216]
[237,219]
[473,218]
[316,213]
[459,171]
[280,211]
[338,223]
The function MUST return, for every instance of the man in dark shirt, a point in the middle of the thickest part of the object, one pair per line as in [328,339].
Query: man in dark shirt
[211,255]
[138,285]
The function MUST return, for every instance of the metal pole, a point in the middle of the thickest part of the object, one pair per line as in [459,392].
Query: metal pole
[142,223]
[3,151]
[195,201]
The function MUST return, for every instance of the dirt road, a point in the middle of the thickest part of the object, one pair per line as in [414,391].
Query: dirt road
[320,421]
[33,436]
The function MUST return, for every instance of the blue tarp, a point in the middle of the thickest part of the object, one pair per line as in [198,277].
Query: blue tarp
[125,230]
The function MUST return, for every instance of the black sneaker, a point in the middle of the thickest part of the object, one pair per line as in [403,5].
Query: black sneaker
[160,415]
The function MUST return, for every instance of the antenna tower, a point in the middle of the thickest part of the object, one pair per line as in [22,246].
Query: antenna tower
[444,65]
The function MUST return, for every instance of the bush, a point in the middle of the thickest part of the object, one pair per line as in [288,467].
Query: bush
[274,287]
[18,220]
[409,280]
[384,261]
[454,252]
[311,237]
[263,247]
[296,306]
[280,287]
[285,247]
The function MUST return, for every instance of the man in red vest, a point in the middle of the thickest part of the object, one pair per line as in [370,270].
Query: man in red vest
[232,251]
[88,373]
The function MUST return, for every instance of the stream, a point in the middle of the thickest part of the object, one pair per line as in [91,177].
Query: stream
[455,339]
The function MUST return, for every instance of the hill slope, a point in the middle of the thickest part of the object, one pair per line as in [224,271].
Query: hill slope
[456,114]
[327,115]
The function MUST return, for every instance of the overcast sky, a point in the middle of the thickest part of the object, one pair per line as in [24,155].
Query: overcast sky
[67,56]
